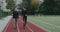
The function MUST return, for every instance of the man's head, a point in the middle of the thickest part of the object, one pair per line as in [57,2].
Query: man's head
[24,8]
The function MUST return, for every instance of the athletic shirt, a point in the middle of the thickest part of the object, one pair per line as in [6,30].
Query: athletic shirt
[15,14]
[24,12]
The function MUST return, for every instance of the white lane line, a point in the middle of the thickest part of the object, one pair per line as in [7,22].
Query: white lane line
[6,26]
[48,23]
[28,27]
[18,27]
[51,24]
[39,26]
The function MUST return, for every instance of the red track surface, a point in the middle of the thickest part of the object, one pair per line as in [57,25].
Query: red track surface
[30,27]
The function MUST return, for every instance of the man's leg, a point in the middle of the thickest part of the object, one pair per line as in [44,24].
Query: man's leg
[25,22]
[15,23]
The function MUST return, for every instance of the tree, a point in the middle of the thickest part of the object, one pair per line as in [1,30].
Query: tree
[10,4]
[48,7]
[31,5]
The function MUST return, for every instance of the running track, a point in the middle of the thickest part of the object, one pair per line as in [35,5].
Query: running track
[29,28]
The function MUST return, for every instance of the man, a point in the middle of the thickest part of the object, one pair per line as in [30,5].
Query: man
[15,17]
[24,14]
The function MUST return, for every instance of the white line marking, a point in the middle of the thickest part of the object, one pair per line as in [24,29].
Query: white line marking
[28,27]
[39,26]
[6,26]
[18,27]
[52,24]
[48,23]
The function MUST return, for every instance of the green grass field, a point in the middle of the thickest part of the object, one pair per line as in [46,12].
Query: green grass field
[50,23]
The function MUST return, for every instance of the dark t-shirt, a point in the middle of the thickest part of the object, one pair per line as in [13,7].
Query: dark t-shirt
[15,14]
[24,12]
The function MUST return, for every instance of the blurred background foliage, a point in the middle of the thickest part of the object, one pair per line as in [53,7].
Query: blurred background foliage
[47,7]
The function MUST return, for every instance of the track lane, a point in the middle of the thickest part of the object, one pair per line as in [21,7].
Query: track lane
[33,27]
[10,27]
[20,24]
